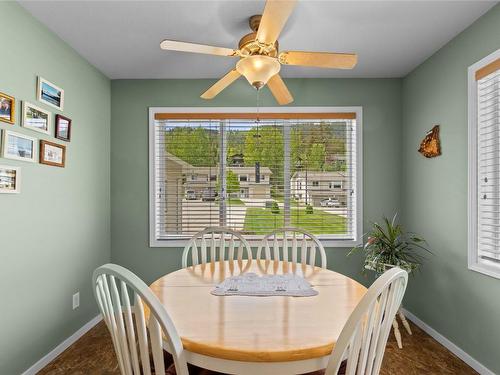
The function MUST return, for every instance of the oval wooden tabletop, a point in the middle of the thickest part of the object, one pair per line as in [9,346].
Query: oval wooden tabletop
[257,329]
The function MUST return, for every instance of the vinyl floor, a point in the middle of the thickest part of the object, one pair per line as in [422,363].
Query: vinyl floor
[421,354]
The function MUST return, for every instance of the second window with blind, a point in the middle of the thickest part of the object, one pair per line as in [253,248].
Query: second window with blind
[255,176]
[484,166]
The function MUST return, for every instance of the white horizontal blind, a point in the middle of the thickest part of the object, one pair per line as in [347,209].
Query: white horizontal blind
[256,161]
[488,168]
[323,177]
[186,166]
[255,176]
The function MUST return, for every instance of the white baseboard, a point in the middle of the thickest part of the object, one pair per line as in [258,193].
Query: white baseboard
[49,357]
[476,365]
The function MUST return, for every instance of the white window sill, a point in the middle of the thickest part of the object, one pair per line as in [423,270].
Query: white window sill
[493,270]
[176,243]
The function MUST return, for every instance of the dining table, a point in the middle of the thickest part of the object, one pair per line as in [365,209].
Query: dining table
[245,335]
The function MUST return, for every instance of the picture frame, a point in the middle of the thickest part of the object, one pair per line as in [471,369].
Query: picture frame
[52,154]
[63,128]
[17,146]
[36,118]
[10,179]
[7,108]
[50,94]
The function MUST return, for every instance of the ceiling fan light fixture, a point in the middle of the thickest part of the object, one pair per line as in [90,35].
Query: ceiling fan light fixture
[258,69]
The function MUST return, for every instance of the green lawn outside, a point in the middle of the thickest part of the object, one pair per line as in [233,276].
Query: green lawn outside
[262,220]
[235,202]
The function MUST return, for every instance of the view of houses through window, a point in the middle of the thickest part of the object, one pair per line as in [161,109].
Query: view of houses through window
[256,176]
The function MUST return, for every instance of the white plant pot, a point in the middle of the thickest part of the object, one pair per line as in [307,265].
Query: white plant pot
[386,267]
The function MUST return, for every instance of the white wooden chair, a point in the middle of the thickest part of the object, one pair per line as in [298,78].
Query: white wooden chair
[276,246]
[114,289]
[210,245]
[364,337]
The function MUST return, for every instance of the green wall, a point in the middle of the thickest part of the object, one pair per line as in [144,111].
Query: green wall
[460,304]
[57,230]
[130,99]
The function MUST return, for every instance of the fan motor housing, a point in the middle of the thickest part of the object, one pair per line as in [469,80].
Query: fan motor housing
[249,45]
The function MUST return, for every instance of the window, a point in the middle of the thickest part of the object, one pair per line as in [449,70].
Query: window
[265,170]
[336,185]
[484,166]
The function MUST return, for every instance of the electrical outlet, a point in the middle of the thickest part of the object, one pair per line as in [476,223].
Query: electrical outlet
[76,300]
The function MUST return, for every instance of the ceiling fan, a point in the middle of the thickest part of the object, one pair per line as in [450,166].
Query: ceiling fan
[260,60]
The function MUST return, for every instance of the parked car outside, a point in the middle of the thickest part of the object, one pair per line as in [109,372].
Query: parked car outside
[209,194]
[190,195]
[330,202]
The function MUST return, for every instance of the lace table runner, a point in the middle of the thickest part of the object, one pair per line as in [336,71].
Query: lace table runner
[250,284]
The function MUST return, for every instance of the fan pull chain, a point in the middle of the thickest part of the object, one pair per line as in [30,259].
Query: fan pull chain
[258,106]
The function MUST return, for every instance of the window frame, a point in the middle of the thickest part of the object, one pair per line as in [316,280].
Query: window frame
[342,243]
[473,261]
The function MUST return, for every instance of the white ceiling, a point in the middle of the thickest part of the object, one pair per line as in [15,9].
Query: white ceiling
[121,38]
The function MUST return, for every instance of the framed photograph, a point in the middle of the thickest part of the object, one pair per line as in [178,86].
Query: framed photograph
[10,179]
[52,154]
[50,94]
[18,146]
[36,118]
[63,128]
[7,108]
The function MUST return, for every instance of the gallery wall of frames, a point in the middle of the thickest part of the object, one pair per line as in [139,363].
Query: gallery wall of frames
[36,118]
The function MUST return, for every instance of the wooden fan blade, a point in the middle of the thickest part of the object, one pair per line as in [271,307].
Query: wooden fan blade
[279,90]
[221,84]
[273,20]
[173,45]
[319,59]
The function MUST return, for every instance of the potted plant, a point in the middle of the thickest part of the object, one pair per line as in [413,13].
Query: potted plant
[388,245]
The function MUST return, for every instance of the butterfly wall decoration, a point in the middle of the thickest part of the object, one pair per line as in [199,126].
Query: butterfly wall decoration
[430,146]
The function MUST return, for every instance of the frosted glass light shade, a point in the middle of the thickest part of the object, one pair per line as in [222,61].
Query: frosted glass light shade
[258,69]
